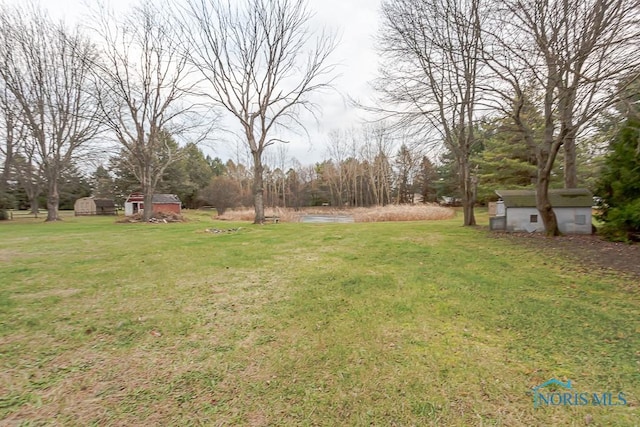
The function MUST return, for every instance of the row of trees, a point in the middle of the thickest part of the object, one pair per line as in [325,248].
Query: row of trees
[448,62]
[48,112]
[363,171]
[364,167]
[148,77]
[544,70]
[374,166]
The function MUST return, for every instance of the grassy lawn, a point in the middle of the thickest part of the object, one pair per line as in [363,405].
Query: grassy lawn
[415,323]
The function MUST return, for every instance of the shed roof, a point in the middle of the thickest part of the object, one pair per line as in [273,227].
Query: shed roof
[166,198]
[104,203]
[157,198]
[560,198]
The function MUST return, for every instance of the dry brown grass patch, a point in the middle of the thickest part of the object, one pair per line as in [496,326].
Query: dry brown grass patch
[422,212]
[425,212]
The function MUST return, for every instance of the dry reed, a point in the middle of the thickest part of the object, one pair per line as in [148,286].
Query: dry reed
[422,212]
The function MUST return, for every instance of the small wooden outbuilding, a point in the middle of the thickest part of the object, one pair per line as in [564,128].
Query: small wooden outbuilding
[516,211]
[91,206]
[166,203]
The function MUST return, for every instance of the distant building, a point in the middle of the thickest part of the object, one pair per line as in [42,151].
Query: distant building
[167,203]
[91,206]
[517,212]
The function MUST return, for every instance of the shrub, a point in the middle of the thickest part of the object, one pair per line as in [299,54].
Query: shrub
[622,222]
[6,202]
[223,193]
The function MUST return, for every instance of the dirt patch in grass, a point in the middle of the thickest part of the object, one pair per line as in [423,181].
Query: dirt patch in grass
[589,250]
[5,255]
[156,218]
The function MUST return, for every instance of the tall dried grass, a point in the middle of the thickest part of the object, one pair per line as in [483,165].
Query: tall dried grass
[402,213]
[422,212]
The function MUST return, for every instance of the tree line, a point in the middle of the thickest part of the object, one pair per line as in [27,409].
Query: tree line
[551,68]
[363,167]
[512,93]
[158,73]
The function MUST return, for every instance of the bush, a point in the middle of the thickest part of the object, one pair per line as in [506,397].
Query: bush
[622,223]
[223,193]
[6,202]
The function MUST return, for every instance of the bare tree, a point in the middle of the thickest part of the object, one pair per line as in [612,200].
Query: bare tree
[406,162]
[29,174]
[337,150]
[564,59]
[144,80]
[275,166]
[223,193]
[376,151]
[433,52]
[12,131]
[47,70]
[295,186]
[261,64]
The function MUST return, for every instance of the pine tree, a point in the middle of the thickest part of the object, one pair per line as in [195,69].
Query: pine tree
[620,185]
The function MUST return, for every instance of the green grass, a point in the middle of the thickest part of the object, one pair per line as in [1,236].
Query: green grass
[418,323]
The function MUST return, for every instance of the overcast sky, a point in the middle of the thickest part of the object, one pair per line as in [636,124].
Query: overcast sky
[354,21]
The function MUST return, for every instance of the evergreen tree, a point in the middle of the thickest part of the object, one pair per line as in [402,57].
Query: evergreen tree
[405,164]
[506,162]
[102,183]
[426,180]
[447,186]
[198,172]
[73,185]
[218,168]
[620,185]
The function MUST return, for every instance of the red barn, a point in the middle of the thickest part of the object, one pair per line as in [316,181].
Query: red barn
[168,203]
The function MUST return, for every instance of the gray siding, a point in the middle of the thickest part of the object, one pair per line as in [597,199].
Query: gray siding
[519,220]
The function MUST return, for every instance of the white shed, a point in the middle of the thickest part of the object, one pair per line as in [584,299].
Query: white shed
[571,206]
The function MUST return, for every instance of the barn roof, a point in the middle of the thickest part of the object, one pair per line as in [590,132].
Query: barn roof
[157,198]
[560,198]
[104,203]
[165,198]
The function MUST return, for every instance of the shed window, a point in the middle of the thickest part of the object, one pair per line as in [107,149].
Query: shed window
[533,218]
[581,219]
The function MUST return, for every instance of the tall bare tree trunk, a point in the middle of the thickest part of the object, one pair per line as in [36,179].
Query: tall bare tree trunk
[258,186]
[544,206]
[53,201]
[468,193]
[147,214]
[8,147]
[570,167]
[546,155]
[34,204]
